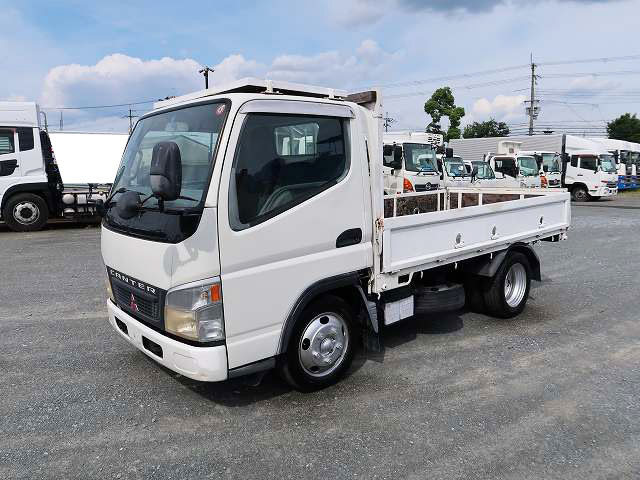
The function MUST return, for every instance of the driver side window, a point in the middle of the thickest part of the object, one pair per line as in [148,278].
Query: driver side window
[282,161]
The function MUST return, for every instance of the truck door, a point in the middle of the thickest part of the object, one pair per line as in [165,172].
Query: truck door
[9,165]
[287,220]
[588,172]
[9,161]
[389,173]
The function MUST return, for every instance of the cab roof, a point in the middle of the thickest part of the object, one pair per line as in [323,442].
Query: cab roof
[255,85]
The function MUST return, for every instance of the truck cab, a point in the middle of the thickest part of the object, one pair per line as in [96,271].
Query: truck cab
[509,161]
[454,172]
[30,184]
[409,166]
[590,175]
[550,164]
[483,176]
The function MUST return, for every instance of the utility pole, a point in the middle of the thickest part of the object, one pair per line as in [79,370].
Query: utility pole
[61,122]
[388,121]
[131,116]
[533,109]
[205,72]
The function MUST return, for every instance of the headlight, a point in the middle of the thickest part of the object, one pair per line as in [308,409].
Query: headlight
[195,312]
[107,284]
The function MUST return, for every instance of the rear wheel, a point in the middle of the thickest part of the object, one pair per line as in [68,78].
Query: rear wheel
[580,193]
[25,212]
[507,292]
[321,347]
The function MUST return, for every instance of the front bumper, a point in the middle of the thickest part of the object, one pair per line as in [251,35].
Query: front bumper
[604,192]
[208,364]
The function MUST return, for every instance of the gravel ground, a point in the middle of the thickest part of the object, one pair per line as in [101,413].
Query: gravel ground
[551,394]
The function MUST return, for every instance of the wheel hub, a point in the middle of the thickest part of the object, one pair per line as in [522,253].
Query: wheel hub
[26,213]
[323,344]
[515,285]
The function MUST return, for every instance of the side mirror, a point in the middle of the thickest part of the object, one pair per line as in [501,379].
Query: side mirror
[397,157]
[545,168]
[100,208]
[165,173]
[474,174]
[448,152]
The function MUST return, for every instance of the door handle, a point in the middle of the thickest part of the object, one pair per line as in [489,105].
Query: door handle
[353,236]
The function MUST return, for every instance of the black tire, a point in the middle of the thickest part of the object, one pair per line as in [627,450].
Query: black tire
[25,212]
[579,193]
[438,298]
[474,294]
[291,366]
[495,297]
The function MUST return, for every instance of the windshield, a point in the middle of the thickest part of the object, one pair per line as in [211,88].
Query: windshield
[528,167]
[195,130]
[419,158]
[552,162]
[455,167]
[608,164]
[483,171]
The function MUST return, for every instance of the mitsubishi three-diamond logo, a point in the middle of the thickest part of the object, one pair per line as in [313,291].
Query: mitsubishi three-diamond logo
[133,305]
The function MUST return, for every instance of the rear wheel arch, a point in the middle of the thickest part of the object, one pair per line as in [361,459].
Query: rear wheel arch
[488,267]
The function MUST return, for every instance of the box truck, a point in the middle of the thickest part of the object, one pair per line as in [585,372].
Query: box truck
[228,254]
[34,185]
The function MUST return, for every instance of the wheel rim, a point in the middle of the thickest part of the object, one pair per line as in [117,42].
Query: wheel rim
[323,344]
[515,285]
[26,213]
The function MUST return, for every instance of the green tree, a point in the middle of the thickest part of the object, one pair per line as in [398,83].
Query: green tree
[625,127]
[442,104]
[490,128]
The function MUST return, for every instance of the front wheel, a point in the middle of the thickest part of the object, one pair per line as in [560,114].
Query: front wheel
[580,194]
[25,212]
[321,347]
[507,293]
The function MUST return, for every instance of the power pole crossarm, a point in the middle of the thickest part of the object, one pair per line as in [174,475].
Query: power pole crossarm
[205,72]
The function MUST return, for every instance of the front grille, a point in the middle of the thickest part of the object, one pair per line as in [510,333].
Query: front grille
[612,184]
[426,188]
[142,301]
[554,182]
[145,307]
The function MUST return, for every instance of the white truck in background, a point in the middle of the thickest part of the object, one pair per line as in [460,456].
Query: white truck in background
[409,161]
[627,157]
[228,254]
[34,185]
[586,166]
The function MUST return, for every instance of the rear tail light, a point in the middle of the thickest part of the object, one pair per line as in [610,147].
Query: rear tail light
[407,186]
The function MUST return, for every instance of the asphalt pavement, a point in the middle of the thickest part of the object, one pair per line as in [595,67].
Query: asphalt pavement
[553,393]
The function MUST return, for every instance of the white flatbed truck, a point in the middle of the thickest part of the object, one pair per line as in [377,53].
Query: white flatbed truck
[228,254]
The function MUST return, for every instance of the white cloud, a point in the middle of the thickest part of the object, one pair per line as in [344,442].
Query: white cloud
[502,107]
[118,79]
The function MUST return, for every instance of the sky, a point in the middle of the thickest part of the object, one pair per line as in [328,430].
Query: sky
[67,54]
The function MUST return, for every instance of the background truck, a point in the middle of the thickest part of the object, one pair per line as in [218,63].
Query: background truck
[627,157]
[227,255]
[584,179]
[510,162]
[409,162]
[31,180]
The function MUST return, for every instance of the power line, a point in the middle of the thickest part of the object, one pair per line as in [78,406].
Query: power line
[591,60]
